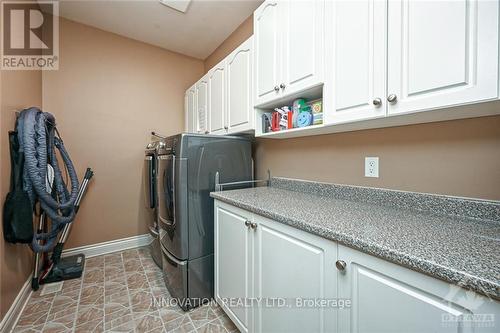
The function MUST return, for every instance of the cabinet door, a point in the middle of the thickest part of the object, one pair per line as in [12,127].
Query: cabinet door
[239,88]
[233,262]
[267,31]
[190,106]
[202,105]
[303,44]
[216,98]
[291,266]
[448,58]
[186,112]
[390,298]
[356,60]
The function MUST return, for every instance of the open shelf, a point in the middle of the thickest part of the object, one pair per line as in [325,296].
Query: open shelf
[291,133]
[310,94]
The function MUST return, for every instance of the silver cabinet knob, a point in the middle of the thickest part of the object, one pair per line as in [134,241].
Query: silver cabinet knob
[206,132]
[247,223]
[392,98]
[377,102]
[253,225]
[225,127]
[276,88]
[282,86]
[341,265]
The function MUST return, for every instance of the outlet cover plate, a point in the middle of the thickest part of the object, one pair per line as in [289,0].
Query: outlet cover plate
[371,167]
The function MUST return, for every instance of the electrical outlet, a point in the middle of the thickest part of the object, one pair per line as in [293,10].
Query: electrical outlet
[371,167]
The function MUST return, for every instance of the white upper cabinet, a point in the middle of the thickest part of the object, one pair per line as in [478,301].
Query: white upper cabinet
[303,32]
[396,57]
[222,100]
[217,98]
[240,113]
[367,59]
[441,53]
[202,106]
[187,115]
[267,51]
[190,110]
[356,60]
[289,44]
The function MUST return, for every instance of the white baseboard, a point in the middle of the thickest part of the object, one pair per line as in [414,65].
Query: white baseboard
[8,322]
[11,317]
[109,247]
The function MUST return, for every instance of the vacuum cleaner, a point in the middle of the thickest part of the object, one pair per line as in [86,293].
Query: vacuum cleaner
[59,269]
[39,188]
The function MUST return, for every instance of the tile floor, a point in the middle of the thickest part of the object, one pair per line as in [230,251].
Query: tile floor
[115,295]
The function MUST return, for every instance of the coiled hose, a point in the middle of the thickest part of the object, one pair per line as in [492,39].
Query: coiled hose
[38,141]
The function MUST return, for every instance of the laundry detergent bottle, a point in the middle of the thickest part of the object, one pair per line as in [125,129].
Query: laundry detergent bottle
[297,105]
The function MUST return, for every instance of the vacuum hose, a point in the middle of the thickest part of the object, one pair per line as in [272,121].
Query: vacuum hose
[38,141]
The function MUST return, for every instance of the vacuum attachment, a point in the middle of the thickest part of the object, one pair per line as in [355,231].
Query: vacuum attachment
[67,268]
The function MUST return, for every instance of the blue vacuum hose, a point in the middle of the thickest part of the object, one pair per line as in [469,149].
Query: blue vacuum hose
[38,141]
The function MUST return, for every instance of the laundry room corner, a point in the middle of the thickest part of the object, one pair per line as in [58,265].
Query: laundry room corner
[107,93]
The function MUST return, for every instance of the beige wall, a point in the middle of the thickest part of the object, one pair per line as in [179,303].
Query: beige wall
[19,90]
[109,93]
[459,157]
[242,33]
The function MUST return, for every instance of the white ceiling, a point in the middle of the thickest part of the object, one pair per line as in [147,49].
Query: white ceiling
[196,33]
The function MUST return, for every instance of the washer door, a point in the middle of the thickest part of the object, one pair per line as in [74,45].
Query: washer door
[149,182]
[165,184]
[171,212]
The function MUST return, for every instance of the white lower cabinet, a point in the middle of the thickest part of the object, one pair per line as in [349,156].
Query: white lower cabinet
[287,280]
[276,270]
[233,263]
[294,268]
[386,297]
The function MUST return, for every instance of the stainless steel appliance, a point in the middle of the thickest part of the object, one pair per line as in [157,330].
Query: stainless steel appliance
[187,164]
[149,181]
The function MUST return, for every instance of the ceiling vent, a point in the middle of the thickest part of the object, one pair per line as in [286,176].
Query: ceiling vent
[179,5]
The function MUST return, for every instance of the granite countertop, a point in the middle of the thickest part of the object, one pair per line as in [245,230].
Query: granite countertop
[464,250]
